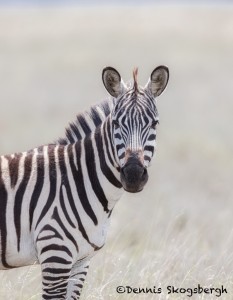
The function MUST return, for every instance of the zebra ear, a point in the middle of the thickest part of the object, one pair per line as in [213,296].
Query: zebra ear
[113,82]
[158,80]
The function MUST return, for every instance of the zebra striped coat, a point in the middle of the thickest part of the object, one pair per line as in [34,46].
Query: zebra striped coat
[56,200]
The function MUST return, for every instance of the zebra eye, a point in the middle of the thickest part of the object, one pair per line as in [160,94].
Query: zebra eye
[116,124]
[154,124]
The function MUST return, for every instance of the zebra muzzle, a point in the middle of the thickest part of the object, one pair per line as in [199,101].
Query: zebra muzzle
[133,177]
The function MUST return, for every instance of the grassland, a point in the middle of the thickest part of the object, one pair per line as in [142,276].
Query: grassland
[179,230]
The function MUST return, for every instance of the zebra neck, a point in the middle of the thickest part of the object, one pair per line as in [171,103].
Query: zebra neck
[95,153]
[104,140]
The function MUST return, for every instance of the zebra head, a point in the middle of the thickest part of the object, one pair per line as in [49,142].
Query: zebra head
[134,120]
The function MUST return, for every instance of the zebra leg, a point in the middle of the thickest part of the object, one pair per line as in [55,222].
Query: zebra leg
[76,280]
[55,276]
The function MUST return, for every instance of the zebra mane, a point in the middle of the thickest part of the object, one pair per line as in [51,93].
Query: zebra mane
[135,79]
[87,122]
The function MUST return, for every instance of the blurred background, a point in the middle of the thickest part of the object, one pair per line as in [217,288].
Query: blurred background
[179,230]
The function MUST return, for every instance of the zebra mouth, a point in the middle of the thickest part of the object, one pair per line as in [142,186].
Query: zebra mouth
[132,191]
[133,177]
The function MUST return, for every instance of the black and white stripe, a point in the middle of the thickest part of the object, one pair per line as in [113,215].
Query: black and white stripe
[56,200]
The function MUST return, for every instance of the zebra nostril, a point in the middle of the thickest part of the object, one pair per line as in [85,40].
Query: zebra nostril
[144,175]
[144,172]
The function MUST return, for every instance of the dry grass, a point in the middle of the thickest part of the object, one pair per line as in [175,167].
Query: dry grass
[179,230]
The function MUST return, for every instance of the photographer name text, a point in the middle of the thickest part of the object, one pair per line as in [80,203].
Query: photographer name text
[170,289]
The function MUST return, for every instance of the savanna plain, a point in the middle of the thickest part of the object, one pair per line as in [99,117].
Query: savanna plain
[179,230]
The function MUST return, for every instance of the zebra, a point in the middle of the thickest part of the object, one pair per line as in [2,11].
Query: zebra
[56,200]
